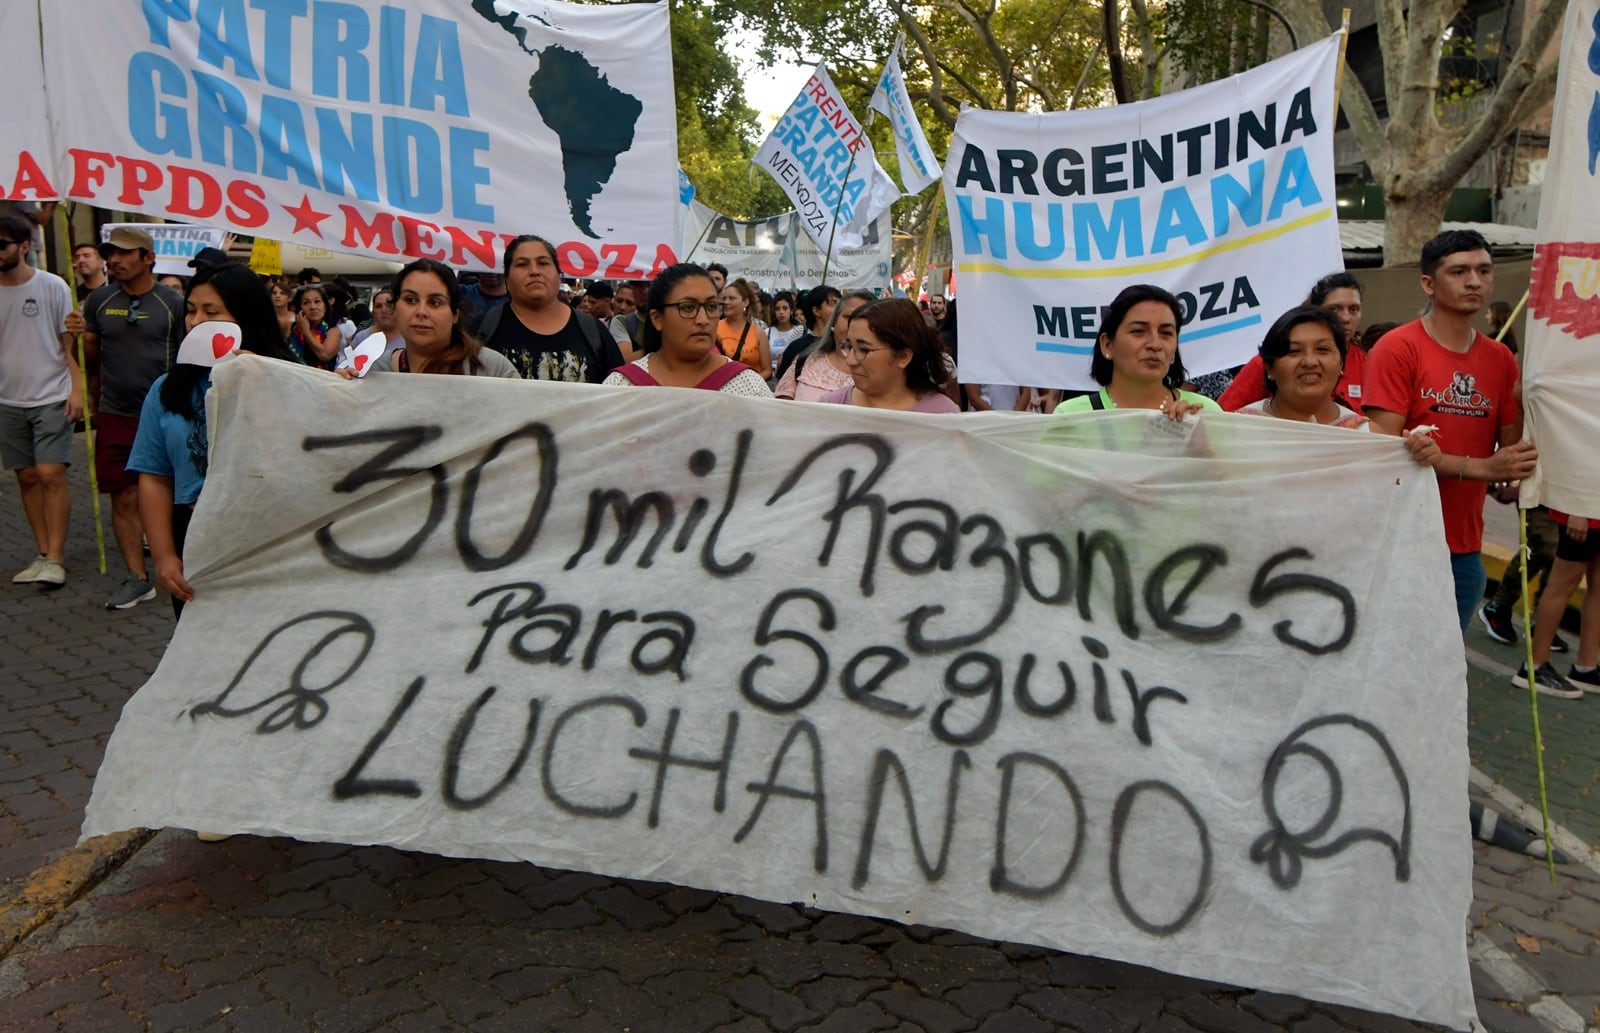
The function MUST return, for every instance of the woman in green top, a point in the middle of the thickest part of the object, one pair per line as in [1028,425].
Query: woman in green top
[1136,358]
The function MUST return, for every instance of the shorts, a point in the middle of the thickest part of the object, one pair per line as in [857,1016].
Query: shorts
[1573,551]
[113,441]
[35,434]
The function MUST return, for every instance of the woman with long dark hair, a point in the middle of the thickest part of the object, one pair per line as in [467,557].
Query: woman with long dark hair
[315,337]
[169,452]
[1136,358]
[896,360]
[680,339]
[427,320]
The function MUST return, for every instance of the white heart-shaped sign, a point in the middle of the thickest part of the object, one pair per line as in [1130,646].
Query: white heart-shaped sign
[362,356]
[209,343]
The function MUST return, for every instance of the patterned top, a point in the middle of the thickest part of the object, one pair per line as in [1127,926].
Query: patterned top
[747,383]
[816,379]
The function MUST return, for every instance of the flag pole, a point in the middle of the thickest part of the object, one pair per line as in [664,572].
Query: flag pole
[71,277]
[1527,627]
[827,256]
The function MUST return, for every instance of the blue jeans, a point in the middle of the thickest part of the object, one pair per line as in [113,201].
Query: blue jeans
[1471,579]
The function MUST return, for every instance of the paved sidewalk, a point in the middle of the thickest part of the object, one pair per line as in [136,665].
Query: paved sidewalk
[163,932]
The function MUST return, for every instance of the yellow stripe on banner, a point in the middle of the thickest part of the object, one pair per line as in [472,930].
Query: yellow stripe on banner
[1101,273]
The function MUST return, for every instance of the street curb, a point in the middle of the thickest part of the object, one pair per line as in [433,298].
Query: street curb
[1497,557]
[55,886]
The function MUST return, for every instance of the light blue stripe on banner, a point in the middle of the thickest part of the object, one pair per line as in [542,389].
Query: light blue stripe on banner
[1220,328]
[1064,349]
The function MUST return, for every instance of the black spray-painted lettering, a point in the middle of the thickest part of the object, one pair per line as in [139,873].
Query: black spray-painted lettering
[299,704]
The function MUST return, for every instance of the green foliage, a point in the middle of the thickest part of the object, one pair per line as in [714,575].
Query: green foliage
[1213,39]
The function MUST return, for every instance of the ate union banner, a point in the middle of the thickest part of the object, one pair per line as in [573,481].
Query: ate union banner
[436,128]
[1077,681]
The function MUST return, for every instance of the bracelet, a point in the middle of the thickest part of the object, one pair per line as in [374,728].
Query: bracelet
[1461,471]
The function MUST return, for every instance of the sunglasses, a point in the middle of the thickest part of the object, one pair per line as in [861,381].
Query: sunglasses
[5,243]
[133,311]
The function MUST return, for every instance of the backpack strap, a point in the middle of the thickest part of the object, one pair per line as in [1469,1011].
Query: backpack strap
[1096,402]
[718,377]
[491,322]
[636,375]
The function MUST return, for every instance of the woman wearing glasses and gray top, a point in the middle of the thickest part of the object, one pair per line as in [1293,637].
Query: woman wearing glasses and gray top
[680,340]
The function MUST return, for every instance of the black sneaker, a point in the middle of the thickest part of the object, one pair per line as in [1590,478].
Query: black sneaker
[1497,623]
[1547,682]
[1558,645]
[1588,681]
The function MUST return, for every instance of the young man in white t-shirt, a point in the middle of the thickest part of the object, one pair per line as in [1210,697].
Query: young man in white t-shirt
[41,397]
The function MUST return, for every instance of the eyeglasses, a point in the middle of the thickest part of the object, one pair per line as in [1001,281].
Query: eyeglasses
[688,307]
[133,311]
[847,349]
[4,243]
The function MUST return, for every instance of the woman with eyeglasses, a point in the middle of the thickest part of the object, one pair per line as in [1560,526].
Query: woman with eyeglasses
[680,340]
[895,358]
[821,369]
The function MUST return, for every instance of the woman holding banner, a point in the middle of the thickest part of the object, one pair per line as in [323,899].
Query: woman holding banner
[896,360]
[680,340]
[821,368]
[1136,358]
[169,452]
[738,336]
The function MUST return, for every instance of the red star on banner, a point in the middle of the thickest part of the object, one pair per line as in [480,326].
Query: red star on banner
[305,216]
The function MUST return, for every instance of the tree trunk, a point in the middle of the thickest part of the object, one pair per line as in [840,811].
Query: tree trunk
[1412,220]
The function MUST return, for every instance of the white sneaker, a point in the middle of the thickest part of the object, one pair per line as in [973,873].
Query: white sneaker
[52,573]
[29,574]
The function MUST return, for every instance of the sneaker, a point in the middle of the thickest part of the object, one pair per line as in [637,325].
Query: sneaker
[29,574]
[1588,681]
[1558,645]
[1497,623]
[52,574]
[132,592]
[1547,682]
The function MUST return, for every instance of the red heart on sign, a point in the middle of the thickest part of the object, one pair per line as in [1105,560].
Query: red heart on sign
[221,344]
[361,362]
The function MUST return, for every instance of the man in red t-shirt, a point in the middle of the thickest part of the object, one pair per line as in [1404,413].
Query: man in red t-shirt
[1440,370]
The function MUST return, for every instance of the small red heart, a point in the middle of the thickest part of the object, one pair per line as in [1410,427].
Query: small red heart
[221,344]
[361,362]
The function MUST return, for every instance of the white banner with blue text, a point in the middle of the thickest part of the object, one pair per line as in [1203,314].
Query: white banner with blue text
[1561,364]
[431,129]
[824,162]
[27,157]
[777,253]
[1075,681]
[175,243]
[1223,194]
[919,166]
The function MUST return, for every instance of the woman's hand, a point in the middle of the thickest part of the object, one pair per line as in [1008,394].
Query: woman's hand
[347,372]
[1176,409]
[169,575]
[1424,450]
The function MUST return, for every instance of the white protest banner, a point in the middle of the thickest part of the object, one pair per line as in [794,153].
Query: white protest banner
[1223,194]
[1561,361]
[819,155]
[27,157]
[776,252]
[431,129]
[919,166]
[989,673]
[175,243]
